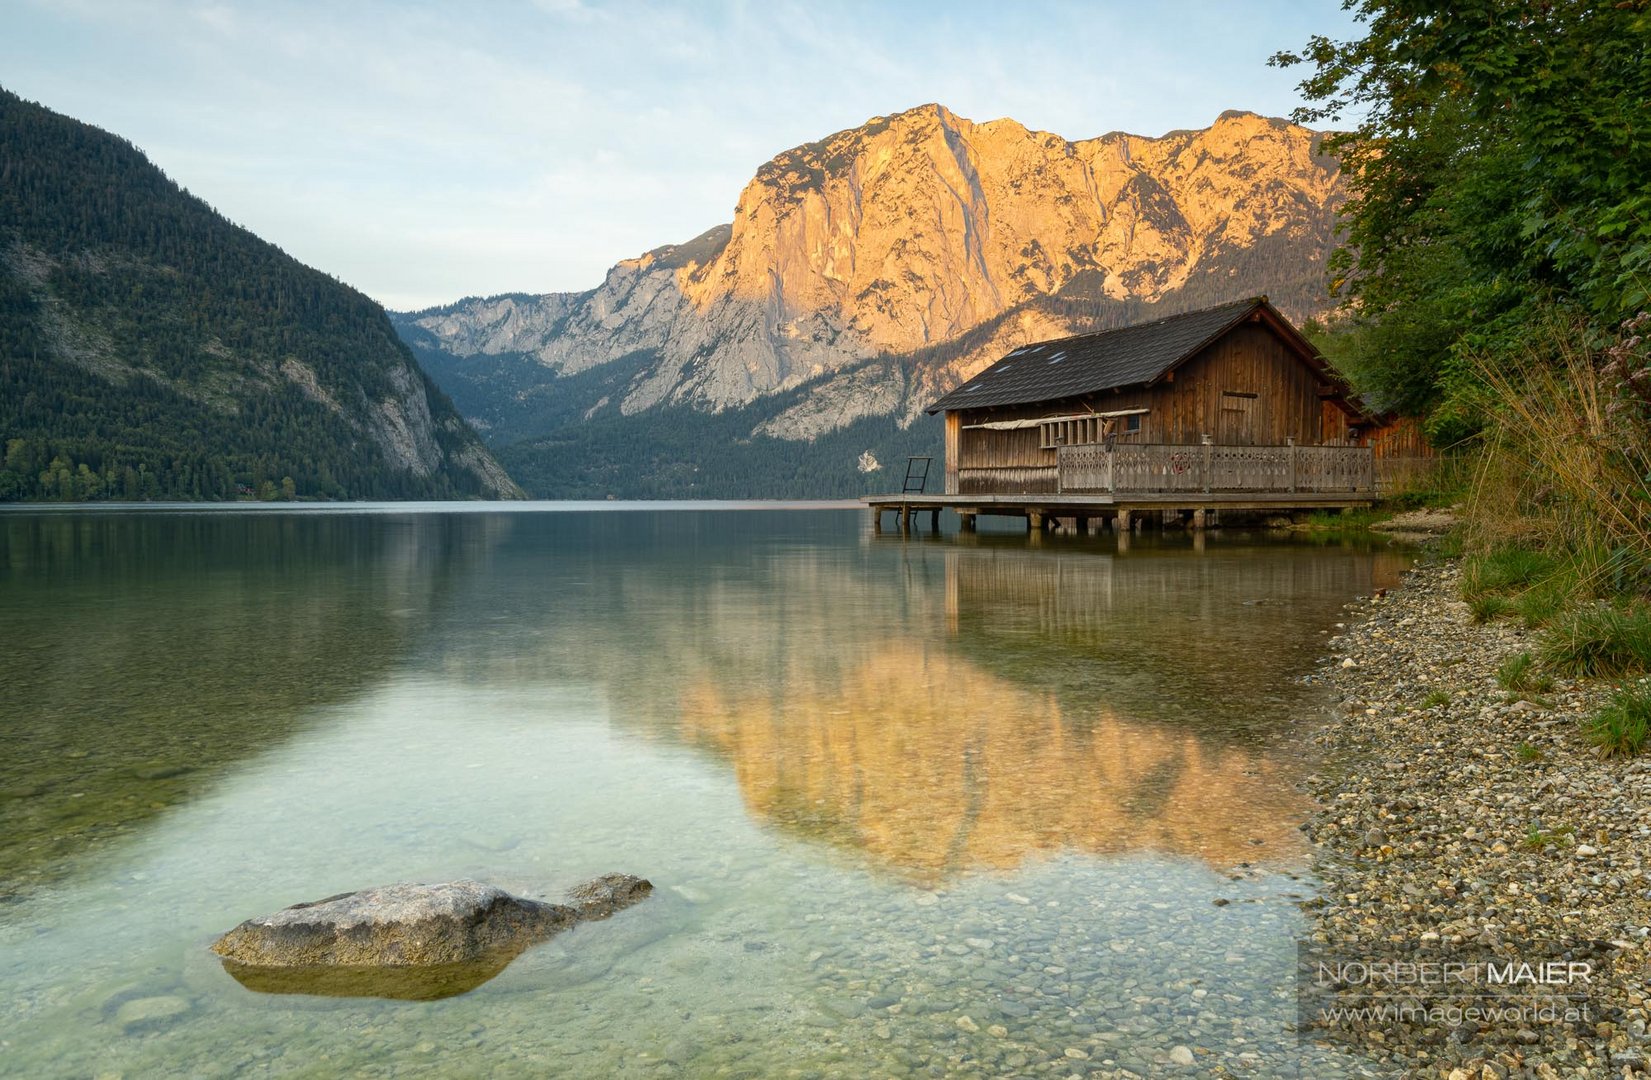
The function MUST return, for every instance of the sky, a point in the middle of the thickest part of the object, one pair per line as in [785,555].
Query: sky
[427,150]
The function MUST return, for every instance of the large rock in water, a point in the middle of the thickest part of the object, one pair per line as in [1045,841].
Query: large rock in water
[405,940]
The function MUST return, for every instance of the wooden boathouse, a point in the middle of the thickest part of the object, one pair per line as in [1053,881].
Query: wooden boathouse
[1225,408]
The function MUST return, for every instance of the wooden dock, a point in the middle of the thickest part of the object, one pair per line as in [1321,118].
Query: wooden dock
[1120,512]
[1125,487]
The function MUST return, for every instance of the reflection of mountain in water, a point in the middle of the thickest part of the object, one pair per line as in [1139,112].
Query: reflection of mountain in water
[929,764]
[937,707]
[146,651]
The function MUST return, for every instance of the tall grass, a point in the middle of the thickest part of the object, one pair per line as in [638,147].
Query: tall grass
[1558,525]
[1567,458]
[1559,513]
[1532,584]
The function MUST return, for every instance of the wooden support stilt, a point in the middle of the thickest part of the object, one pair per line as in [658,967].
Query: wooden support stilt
[1084,513]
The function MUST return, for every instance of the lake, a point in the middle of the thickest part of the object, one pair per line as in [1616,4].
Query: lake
[954,805]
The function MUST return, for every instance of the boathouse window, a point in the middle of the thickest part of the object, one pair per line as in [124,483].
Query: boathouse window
[1069,431]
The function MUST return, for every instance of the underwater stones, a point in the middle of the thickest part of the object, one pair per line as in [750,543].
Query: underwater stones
[162,772]
[410,941]
[138,1015]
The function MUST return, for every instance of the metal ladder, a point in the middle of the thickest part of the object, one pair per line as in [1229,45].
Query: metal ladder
[916,478]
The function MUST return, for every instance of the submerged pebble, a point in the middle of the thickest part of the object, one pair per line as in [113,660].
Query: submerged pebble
[151,1013]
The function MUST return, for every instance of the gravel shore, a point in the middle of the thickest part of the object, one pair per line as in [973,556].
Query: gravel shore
[1460,820]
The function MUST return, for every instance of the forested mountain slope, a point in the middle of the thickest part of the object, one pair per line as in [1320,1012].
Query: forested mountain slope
[151,349]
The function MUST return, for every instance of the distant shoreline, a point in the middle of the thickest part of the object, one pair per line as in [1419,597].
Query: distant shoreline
[474,506]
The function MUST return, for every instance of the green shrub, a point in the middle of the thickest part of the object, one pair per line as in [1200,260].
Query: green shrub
[1600,640]
[1435,698]
[1528,753]
[1622,726]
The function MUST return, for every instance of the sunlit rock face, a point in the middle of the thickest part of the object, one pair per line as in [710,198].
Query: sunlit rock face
[914,229]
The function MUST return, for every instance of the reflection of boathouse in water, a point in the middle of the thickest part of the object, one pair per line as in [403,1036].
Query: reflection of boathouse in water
[1006,738]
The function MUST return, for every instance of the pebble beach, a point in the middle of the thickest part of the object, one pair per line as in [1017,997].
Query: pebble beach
[1459,818]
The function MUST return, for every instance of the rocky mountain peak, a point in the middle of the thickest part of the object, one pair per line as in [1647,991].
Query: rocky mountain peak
[923,228]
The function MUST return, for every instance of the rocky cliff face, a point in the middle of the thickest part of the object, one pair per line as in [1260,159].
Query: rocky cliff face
[914,229]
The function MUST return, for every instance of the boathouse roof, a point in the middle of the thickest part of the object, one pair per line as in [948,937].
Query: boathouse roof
[1125,356]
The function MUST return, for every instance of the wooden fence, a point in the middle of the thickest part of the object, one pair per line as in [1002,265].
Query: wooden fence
[1140,469]
[1397,473]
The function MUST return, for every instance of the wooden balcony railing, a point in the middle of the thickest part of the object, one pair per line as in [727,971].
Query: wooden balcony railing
[1142,469]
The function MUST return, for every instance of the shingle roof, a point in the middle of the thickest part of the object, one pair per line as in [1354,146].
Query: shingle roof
[1069,367]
